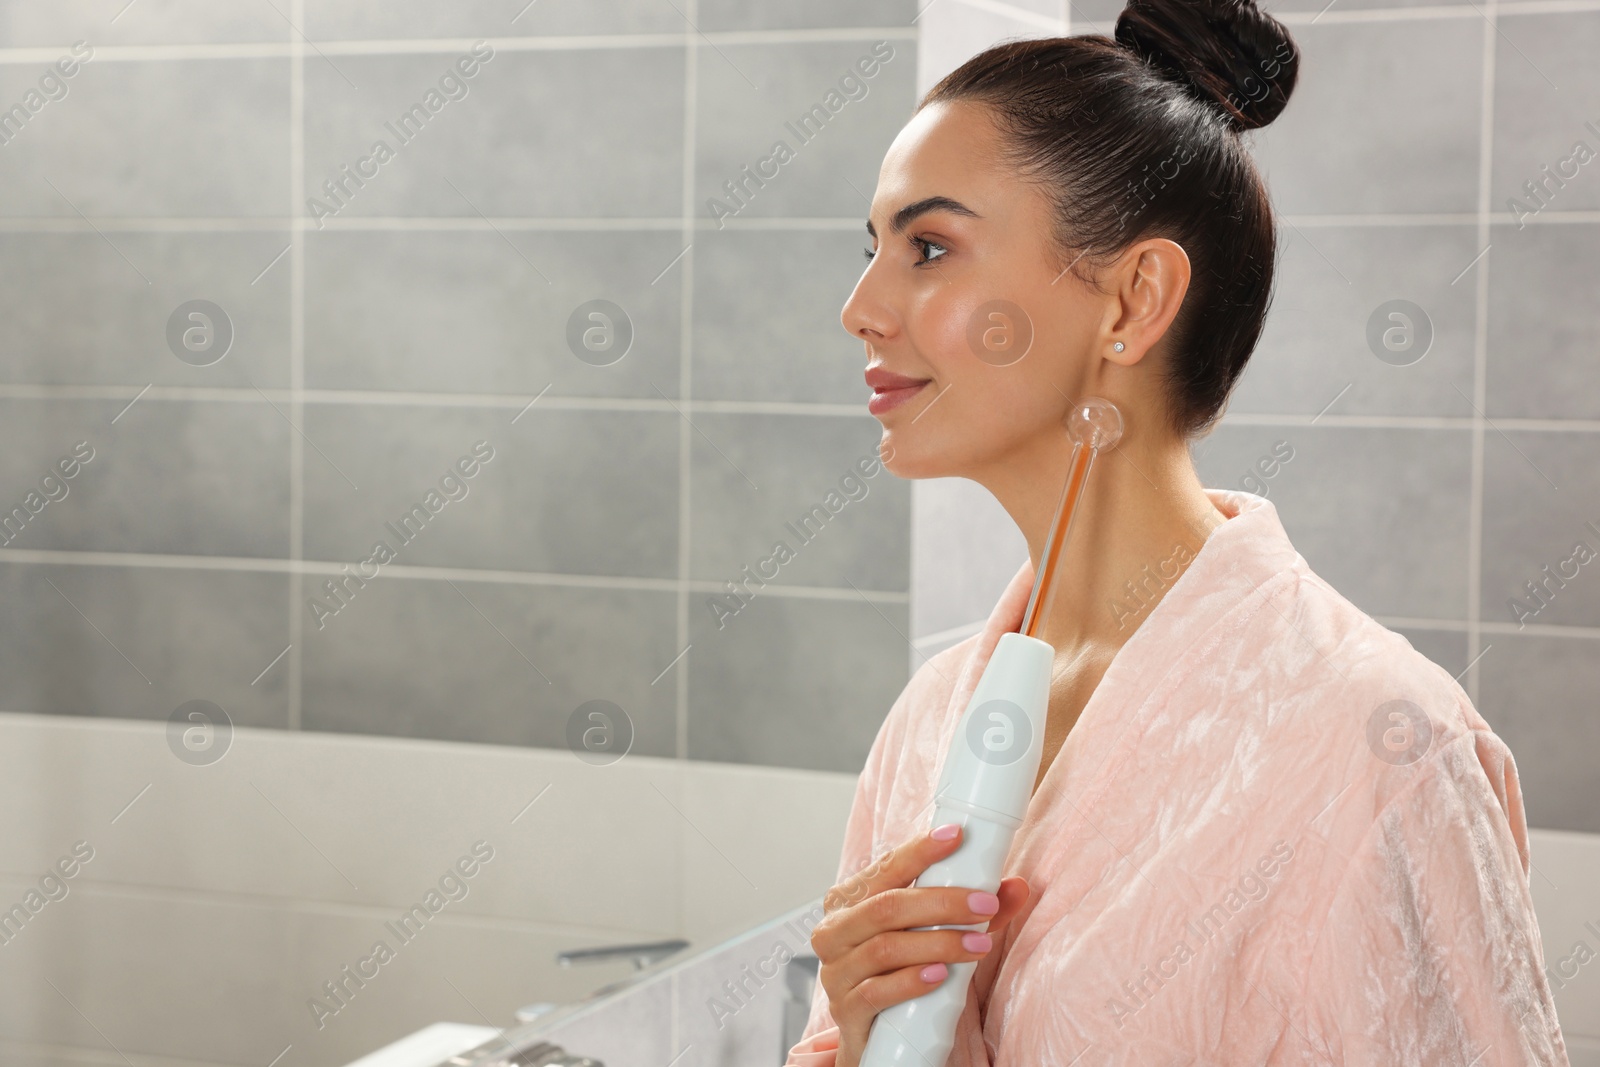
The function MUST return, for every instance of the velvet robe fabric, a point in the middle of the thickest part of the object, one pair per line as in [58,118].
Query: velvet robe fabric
[1277,834]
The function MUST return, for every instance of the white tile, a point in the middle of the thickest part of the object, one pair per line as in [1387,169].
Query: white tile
[782,829]
[1566,896]
[964,551]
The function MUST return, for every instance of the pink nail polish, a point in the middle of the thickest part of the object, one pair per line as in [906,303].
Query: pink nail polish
[976,942]
[934,972]
[983,903]
[945,832]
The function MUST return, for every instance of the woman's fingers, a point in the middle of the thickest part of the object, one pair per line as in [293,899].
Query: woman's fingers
[896,948]
[862,1004]
[900,951]
[872,949]
[1013,894]
[843,931]
[895,869]
[858,1007]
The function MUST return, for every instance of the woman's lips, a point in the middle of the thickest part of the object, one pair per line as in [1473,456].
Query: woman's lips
[885,400]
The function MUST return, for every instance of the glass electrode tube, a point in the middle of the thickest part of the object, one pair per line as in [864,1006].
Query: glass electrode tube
[1094,425]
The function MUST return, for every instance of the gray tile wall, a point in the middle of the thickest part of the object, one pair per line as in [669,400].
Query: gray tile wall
[371,352]
[424,306]
[1430,494]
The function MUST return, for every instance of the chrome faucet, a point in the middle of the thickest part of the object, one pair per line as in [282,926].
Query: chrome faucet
[643,955]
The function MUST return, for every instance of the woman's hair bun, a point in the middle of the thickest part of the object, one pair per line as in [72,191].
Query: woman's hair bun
[1227,53]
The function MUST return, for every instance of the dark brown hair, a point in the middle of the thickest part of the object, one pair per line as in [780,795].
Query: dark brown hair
[1140,137]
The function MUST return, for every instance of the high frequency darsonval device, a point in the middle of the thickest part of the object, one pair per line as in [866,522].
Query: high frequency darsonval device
[991,765]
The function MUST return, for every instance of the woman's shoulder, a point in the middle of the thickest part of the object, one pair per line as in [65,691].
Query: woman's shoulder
[1382,720]
[1369,666]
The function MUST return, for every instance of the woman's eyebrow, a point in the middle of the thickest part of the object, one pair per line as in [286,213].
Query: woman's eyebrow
[911,212]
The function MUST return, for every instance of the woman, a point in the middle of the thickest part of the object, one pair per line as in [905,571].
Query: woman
[1266,830]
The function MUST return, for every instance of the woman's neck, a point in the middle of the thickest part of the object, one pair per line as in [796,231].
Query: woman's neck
[1142,518]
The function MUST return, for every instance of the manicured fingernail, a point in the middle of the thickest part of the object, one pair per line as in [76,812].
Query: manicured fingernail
[934,972]
[945,832]
[976,942]
[983,903]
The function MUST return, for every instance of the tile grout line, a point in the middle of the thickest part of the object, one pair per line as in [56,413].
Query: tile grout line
[547,580]
[408,46]
[423,573]
[491,224]
[509,401]
[297,354]
[691,96]
[1480,360]
[800,408]
[356,47]
[691,72]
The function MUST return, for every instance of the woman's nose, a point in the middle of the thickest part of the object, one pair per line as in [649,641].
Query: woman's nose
[864,316]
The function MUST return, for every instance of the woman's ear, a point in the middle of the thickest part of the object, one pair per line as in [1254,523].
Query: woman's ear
[1147,286]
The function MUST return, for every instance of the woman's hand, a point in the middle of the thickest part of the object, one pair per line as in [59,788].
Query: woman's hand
[870,959]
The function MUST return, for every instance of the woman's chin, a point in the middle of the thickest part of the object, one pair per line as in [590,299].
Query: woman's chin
[909,462]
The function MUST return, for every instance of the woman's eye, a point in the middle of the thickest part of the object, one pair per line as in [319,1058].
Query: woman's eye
[922,246]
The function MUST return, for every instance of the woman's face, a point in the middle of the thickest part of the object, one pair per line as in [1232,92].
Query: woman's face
[961,292]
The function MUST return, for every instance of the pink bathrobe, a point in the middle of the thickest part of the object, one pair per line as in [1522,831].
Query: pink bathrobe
[1277,835]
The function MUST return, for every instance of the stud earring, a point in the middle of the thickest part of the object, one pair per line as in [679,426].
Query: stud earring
[1118,346]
